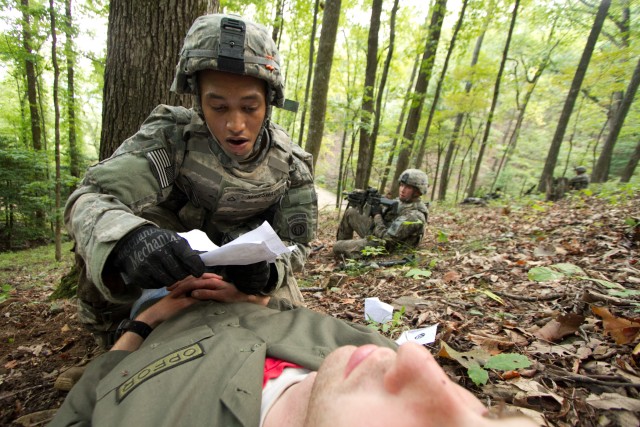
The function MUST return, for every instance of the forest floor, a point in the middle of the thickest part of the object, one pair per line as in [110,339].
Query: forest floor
[554,286]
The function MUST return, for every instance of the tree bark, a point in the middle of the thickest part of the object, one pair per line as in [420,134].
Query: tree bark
[627,173]
[56,108]
[426,68]
[32,84]
[307,87]
[494,102]
[365,151]
[321,75]
[143,44]
[420,157]
[600,171]
[563,122]
[74,151]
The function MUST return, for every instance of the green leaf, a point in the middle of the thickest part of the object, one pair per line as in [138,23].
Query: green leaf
[625,293]
[492,296]
[605,283]
[544,274]
[442,237]
[478,375]
[507,362]
[417,273]
[569,269]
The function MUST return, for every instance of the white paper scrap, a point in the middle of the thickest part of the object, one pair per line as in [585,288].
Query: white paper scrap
[260,244]
[421,336]
[376,310]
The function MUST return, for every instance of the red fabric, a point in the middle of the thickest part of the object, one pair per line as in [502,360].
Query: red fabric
[273,368]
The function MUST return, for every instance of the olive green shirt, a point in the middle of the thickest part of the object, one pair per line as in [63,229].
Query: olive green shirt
[205,366]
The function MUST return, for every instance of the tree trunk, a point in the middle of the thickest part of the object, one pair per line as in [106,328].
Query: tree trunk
[394,144]
[307,87]
[627,173]
[383,82]
[321,75]
[32,84]
[365,151]
[56,108]
[618,120]
[556,142]
[494,102]
[277,23]
[74,152]
[143,44]
[452,148]
[600,171]
[426,68]
[420,157]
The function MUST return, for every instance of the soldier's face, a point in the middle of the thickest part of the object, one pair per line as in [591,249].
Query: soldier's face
[408,192]
[234,108]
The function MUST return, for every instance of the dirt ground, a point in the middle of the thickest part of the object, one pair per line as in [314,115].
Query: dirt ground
[474,275]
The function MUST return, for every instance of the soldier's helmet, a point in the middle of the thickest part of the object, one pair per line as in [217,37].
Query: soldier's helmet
[580,169]
[415,178]
[228,43]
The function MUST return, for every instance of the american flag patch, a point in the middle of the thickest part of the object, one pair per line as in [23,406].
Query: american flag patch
[161,166]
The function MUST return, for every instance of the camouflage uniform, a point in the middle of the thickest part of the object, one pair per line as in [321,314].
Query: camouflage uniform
[393,229]
[581,180]
[173,174]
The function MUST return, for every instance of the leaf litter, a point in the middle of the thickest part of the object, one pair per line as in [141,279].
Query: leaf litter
[538,308]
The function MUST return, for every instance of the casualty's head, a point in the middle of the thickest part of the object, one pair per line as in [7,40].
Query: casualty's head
[232,66]
[413,183]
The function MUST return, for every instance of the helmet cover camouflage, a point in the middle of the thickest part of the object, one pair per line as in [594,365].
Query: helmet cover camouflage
[212,43]
[416,178]
[580,169]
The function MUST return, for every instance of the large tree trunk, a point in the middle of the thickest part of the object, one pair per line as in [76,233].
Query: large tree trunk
[321,75]
[143,44]
[494,102]
[452,148]
[563,122]
[600,171]
[419,159]
[426,68]
[365,150]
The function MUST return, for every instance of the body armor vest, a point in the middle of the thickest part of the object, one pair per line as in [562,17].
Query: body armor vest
[221,196]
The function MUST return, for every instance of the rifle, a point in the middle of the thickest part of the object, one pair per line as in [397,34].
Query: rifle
[370,200]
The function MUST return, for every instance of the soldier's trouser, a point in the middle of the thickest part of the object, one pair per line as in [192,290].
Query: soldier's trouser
[353,220]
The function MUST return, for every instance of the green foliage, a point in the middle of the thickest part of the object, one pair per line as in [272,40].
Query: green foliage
[4,292]
[417,273]
[442,237]
[391,327]
[372,251]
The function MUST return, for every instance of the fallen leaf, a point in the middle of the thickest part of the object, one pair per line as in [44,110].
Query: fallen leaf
[563,325]
[623,331]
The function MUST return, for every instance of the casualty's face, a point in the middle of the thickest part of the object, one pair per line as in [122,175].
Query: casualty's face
[373,386]
[408,192]
[234,108]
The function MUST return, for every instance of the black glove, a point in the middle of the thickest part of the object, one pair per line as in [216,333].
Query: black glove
[252,279]
[151,257]
[376,207]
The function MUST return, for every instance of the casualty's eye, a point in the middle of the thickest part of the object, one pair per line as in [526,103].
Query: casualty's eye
[250,109]
[218,108]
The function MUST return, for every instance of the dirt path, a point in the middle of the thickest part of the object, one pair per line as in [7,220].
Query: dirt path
[326,199]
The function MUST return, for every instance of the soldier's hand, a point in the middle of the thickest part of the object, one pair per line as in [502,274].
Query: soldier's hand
[376,209]
[252,279]
[151,257]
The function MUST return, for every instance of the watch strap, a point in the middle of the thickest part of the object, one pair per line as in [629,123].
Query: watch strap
[135,326]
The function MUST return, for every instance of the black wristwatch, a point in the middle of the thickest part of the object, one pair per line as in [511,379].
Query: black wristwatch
[135,326]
